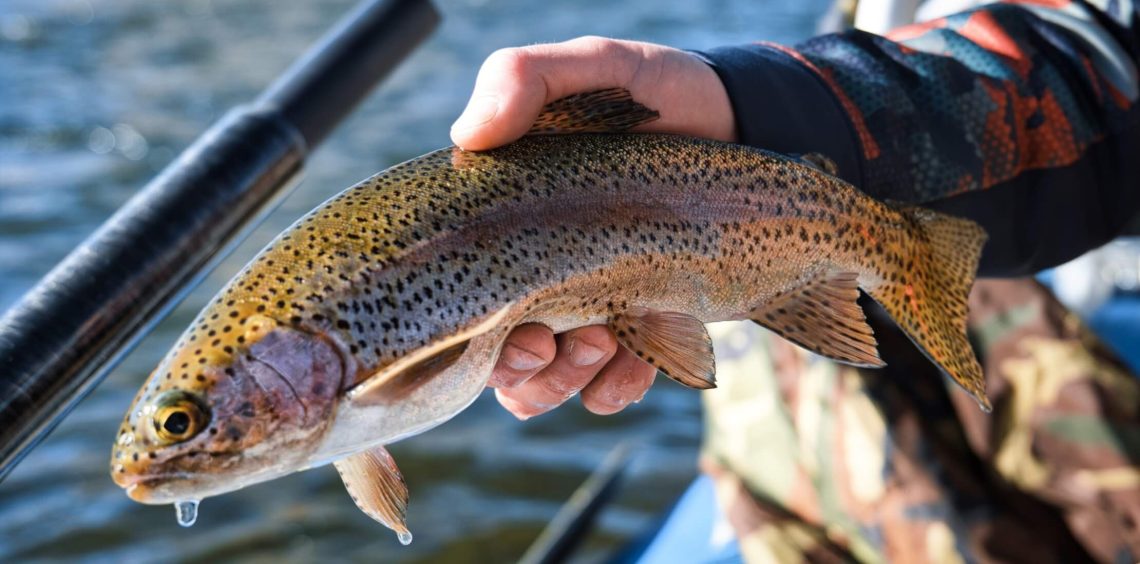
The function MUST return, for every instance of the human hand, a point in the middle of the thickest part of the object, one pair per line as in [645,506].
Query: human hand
[537,370]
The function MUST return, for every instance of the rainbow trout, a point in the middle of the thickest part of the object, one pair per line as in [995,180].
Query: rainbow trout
[381,313]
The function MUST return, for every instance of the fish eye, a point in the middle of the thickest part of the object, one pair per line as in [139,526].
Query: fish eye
[178,416]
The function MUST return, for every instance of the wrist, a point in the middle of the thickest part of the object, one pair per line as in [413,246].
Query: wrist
[782,105]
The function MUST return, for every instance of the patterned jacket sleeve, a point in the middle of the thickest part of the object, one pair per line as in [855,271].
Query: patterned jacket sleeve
[1022,116]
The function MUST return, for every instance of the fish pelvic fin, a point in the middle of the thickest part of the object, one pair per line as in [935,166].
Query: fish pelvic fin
[678,345]
[599,111]
[930,302]
[377,487]
[822,316]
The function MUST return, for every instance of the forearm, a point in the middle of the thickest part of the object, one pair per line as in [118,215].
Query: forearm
[1024,119]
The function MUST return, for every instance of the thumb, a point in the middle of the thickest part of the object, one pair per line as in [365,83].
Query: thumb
[508,96]
[514,84]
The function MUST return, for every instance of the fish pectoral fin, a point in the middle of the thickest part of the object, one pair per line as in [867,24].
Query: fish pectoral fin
[823,316]
[378,489]
[598,111]
[677,344]
[399,379]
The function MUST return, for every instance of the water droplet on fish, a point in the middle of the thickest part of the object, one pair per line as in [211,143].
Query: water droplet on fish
[405,537]
[187,512]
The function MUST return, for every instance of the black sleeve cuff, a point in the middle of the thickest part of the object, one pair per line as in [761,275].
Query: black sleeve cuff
[781,105]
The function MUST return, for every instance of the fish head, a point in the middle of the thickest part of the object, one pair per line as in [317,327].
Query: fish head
[234,403]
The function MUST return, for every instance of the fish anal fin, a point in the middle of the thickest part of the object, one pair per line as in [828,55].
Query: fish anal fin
[404,379]
[677,344]
[822,316]
[378,489]
[598,111]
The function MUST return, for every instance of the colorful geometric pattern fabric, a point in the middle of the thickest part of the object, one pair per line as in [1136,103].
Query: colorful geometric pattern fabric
[972,100]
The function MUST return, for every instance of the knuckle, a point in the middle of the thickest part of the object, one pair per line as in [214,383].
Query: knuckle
[594,41]
[563,385]
[602,47]
[514,60]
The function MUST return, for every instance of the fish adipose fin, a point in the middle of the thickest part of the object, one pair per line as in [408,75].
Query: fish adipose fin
[677,344]
[377,488]
[822,316]
[599,111]
[930,303]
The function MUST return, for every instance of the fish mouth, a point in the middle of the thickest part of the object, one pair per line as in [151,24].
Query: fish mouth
[144,488]
[159,488]
[156,488]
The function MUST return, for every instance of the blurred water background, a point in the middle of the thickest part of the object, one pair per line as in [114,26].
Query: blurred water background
[97,96]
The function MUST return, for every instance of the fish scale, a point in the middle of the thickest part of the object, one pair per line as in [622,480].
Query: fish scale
[398,260]
[380,313]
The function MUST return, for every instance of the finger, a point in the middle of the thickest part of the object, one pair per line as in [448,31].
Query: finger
[528,349]
[623,381]
[581,354]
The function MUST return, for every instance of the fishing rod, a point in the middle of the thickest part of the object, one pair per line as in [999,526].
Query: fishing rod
[64,336]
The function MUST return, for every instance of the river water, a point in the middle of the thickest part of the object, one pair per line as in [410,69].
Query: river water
[97,96]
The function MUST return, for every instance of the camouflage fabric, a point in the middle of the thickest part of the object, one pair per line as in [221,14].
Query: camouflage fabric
[819,462]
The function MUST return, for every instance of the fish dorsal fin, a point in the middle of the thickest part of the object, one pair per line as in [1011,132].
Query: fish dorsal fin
[377,488]
[404,381]
[820,162]
[598,111]
[822,316]
[677,344]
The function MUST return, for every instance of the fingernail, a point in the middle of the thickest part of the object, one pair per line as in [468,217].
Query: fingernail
[480,110]
[520,359]
[584,354]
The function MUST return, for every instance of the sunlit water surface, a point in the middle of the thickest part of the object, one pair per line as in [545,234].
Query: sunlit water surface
[95,97]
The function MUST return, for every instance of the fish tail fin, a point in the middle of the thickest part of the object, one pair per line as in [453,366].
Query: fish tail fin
[929,303]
